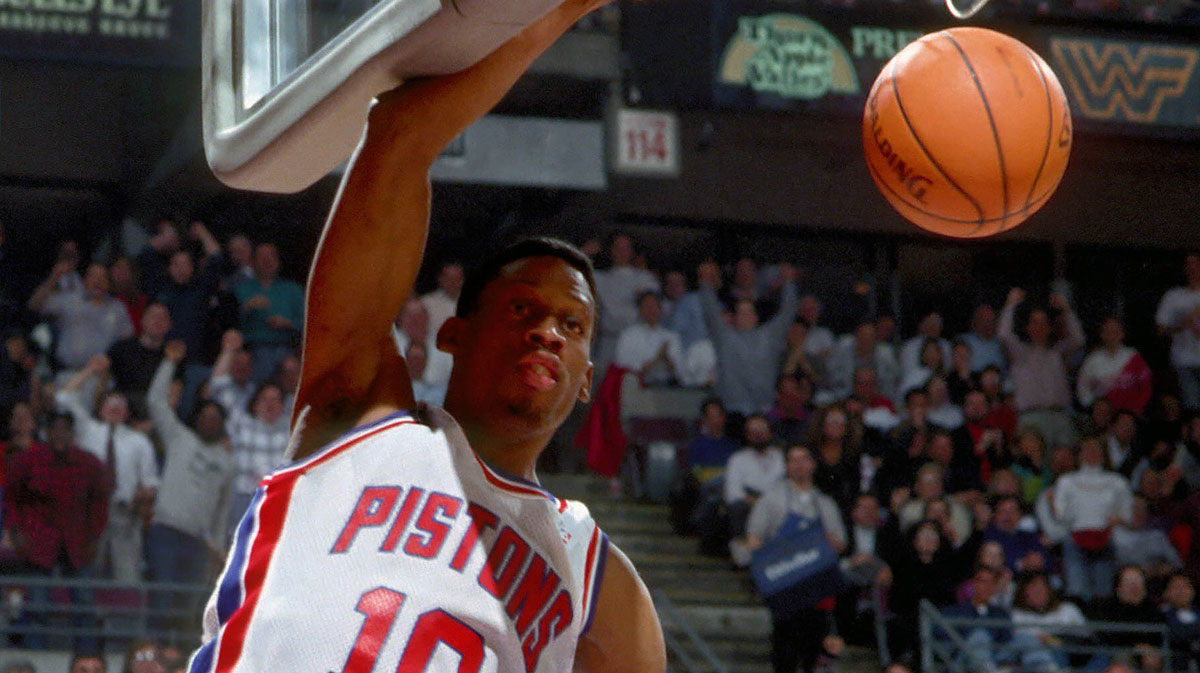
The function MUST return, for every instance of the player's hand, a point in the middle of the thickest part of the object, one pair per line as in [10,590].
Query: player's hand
[174,351]
[98,364]
[1015,297]
[231,341]
[258,302]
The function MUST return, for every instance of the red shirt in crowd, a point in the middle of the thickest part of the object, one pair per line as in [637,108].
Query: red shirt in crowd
[56,502]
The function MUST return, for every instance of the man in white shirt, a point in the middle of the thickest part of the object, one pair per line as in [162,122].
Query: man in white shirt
[750,473]
[1090,502]
[619,287]
[128,457]
[412,326]
[819,341]
[930,327]
[648,348]
[442,302]
[986,348]
[1178,315]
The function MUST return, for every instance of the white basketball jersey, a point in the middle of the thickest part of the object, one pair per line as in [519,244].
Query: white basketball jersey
[397,549]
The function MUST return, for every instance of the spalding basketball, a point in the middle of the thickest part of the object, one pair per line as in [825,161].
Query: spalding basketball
[967,132]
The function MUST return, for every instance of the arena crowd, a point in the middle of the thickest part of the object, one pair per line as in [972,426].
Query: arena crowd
[1023,469]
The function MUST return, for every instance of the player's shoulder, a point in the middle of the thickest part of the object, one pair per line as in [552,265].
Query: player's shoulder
[397,421]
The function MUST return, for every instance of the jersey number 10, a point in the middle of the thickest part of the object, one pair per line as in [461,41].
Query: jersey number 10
[381,605]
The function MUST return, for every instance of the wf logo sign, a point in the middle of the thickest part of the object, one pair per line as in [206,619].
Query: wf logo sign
[1130,81]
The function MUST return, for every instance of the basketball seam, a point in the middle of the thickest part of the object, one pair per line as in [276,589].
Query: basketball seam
[991,121]
[1049,123]
[1033,205]
[912,131]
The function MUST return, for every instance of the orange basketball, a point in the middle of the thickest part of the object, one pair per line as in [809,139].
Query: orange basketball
[967,132]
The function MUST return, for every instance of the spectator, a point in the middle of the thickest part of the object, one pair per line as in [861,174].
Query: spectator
[21,434]
[17,363]
[1090,501]
[796,638]
[684,315]
[710,450]
[128,458]
[88,322]
[818,342]
[618,288]
[272,312]
[959,378]
[1187,454]
[259,433]
[442,302]
[1130,604]
[931,364]
[927,567]
[1121,446]
[962,474]
[1043,622]
[142,657]
[748,353]
[866,391]
[977,443]
[795,360]
[125,288]
[133,360]
[154,259]
[424,390]
[745,285]
[1178,315]
[793,409]
[87,662]
[853,352]
[57,498]
[1114,371]
[1139,544]
[412,326]
[1052,527]
[191,508]
[648,348]
[288,378]
[986,348]
[239,251]
[1030,464]
[985,645]
[696,500]
[905,448]
[751,472]
[912,353]
[929,490]
[1099,418]
[231,384]
[1183,622]
[1039,376]
[1023,550]
[865,546]
[837,447]
[188,294]
[1001,413]
[942,411]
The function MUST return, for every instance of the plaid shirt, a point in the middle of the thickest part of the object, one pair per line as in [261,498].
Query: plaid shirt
[56,502]
[258,447]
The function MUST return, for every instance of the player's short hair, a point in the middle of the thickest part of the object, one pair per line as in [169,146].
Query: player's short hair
[539,246]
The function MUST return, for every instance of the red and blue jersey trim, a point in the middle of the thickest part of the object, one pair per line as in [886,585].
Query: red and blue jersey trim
[514,484]
[593,576]
[254,545]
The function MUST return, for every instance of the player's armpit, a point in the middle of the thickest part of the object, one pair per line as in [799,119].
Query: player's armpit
[625,636]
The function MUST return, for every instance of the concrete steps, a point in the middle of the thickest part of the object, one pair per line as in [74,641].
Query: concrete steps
[716,601]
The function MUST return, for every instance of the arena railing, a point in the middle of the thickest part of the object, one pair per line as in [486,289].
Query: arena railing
[674,618]
[944,647]
[69,613]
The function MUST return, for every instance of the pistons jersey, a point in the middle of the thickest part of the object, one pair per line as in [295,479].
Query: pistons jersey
[397,549]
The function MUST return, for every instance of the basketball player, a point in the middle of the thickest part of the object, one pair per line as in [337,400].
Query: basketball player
[409,538]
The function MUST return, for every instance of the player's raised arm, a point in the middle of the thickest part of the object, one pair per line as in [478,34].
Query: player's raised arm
[371,248]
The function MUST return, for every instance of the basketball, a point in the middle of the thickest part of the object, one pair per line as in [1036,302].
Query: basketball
[966,132]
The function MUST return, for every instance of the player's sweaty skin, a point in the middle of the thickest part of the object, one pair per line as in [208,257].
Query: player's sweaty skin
[365,268]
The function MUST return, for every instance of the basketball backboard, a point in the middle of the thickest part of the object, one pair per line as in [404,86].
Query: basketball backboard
[287,83]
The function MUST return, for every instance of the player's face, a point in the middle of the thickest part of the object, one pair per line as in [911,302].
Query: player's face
[524,353]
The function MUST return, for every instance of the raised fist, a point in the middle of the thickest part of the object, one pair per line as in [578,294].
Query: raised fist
[1015,297]
[231,340]
[174,351]
[98,364]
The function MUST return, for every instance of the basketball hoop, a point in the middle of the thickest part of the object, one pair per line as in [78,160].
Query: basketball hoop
[963,15]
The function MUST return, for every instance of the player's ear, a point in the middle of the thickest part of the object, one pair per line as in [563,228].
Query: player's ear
[585,393]
[449,336]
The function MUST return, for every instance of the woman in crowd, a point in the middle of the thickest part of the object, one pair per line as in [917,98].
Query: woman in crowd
[836,445]
[1044,621]
[1030,464]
